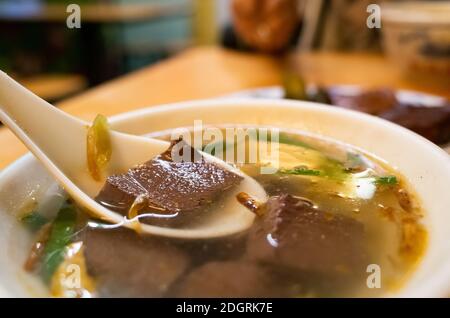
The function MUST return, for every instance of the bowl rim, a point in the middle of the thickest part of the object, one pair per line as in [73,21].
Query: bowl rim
[437,285]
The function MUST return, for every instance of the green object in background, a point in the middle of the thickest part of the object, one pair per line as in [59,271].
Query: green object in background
[294,86]
[146,42]
[131,44]
[206,31]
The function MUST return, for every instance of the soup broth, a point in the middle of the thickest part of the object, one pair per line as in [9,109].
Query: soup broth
[339,222]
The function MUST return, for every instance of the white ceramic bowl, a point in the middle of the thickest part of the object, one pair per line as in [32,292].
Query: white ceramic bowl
[425,166]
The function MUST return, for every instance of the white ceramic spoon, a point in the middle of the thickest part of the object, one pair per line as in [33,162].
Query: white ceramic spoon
[58,140]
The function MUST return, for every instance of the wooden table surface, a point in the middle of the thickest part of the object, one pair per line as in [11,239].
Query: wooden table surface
[54,86]
[208,72]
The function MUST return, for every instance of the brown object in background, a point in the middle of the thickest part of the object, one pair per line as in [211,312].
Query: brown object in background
[432,123]
[417,113]
[372,102]
[266,25]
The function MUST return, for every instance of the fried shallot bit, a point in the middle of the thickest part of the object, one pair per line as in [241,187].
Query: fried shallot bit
[98,147]
[37,250]
[404,200]
[250,203]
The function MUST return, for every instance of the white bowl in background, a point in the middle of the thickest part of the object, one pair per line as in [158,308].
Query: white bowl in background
[425,166]
[416,36]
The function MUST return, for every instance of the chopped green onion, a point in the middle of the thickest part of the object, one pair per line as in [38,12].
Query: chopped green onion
[60,236]
[301,171]
[387,180]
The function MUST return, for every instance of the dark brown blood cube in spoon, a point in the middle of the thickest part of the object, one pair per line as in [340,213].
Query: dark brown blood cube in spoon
[227,279]
[125,264]
[296,235]
[431,122]
[166,185]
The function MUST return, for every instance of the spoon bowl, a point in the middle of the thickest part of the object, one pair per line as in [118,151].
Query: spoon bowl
[58,140]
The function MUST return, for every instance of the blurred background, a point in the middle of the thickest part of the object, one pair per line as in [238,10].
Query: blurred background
[120,36]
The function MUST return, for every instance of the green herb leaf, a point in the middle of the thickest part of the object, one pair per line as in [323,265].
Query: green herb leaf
[301,171]
[60,236]
[387,180]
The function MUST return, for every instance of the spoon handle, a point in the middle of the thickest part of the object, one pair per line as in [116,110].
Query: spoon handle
[58,140]
[43,128]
